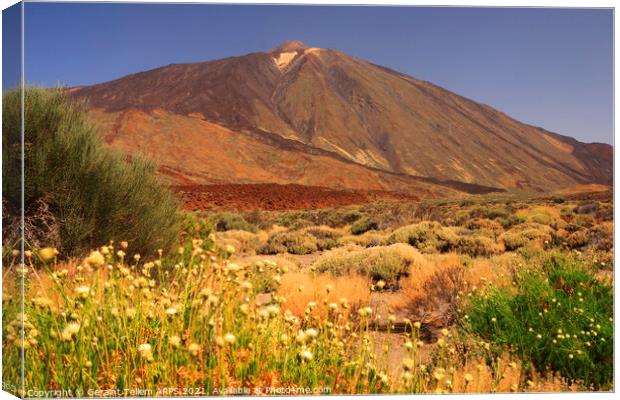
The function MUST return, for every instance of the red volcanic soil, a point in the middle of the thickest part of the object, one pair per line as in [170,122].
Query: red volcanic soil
[271,196]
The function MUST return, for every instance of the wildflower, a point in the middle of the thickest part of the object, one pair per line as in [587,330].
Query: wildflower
[284,338]
[493,319]
[174,341]
[193,349]
[145,351]
[392,319]
[230,249]
[70,330]
[124,245]
[408,364]
[441,342]
[131,313]
[381,284]
[444,332]
[570,356]
[306,355]
[170,311]
[407,377]
[438,375]
[417,324]
[468,378]
[329,288]
[95,259]
[312,333]
[230,338]
[333,306]
[409,345]
[82,291]
[47,254]
[244,308]
[301,337]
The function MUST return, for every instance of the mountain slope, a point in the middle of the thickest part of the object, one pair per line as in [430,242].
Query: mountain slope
[364,113]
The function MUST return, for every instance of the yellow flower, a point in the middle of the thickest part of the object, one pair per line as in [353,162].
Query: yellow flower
[95,259]
[417,324]
[47,254]
[193,349]
[174,341]
[468,378]
[230,338]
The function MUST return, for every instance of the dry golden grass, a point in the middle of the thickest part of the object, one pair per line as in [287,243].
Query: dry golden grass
[504,375]
[301,288]
[426,273]
[496,270]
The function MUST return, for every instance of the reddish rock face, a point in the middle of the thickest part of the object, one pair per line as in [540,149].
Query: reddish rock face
[319,117]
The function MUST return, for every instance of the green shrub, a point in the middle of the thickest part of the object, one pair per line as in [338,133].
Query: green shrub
[338,217]
[526,234]
[387,263]
[559,318]
[229,221]
[363,225]
[477,246]
[293,219]
[326,237]
[294,242]
[602,236]
[428,236]
[368,239]
[542,218]
[584,220]
[94,193]
[577,239]
[511,220]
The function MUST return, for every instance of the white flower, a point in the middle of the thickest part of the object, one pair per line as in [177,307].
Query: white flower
[70,330]
[82,291]
[312,333]
[145,351]
[230,338]
[306,355]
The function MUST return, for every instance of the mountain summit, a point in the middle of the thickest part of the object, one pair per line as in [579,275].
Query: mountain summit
[319,116]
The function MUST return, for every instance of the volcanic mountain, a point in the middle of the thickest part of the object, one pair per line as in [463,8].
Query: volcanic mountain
[315,116]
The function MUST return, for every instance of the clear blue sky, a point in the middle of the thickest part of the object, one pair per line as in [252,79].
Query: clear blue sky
[547,67]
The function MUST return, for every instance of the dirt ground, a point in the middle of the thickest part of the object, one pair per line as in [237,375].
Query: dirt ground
[275,197]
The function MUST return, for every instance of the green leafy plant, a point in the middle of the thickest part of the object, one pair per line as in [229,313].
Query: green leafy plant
[560,318]
[95,194]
